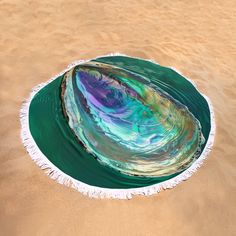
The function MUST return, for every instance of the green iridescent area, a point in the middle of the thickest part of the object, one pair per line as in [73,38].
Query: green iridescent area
[148,127]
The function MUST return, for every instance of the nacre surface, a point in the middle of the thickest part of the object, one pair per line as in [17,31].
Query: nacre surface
[127,122]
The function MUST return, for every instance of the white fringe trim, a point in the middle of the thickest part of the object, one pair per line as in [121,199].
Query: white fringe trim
[97,192]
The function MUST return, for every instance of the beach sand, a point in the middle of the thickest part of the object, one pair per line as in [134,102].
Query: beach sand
[40,38]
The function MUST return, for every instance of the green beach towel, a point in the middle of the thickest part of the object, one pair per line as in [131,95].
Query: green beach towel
[116,126]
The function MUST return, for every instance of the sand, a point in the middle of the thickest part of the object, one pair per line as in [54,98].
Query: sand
[39,38]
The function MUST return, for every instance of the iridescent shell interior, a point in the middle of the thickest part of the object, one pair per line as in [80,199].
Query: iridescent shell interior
[128,123]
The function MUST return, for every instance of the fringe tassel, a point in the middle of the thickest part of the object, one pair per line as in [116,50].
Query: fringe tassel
[97,192]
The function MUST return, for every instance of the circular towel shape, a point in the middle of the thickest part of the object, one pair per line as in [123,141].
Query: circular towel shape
[116,126]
